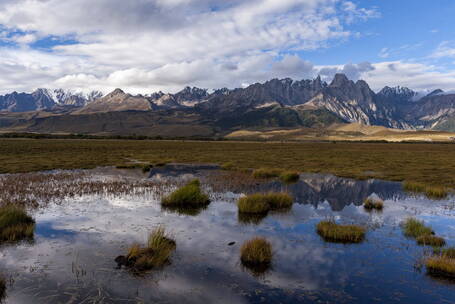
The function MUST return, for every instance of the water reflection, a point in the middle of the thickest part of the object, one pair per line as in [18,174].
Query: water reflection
[77,241]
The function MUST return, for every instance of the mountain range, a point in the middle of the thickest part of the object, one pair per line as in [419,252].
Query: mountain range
[278,103]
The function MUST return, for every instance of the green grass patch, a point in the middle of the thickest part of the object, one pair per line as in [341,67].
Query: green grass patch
[433,192]
[155,254]
[414,228]
[262,203]
[15,224]
[256,251]
[373,204]
[188,196]
[266,173]
[289,177]
[333,232]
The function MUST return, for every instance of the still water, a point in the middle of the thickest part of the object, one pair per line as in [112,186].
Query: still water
[71,259]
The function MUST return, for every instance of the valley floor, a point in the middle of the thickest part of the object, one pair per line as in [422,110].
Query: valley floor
[432,164]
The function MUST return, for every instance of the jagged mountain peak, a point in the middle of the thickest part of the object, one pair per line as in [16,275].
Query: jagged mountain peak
[116,92]
[340,80]
[435,92]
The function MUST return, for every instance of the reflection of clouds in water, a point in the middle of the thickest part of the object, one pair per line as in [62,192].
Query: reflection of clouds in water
[204,267]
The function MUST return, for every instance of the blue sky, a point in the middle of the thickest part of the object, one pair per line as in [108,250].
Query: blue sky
[148,45]
[410,29]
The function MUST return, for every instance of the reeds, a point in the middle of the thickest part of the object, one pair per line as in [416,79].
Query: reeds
[333,232]
[15,224]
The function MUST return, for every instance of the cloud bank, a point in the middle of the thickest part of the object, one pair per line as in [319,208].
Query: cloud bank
[149,45]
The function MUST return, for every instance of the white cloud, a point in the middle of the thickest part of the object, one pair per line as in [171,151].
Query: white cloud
[418,76]
[445,49]
[143,45]
[352,71]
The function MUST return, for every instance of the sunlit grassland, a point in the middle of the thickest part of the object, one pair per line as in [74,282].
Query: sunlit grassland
[430,164]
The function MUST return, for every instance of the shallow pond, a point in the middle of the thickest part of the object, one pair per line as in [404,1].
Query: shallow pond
[71,259]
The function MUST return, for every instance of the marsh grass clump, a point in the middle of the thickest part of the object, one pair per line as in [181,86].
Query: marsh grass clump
[256,252]
[262,203]
[333,232]
[433,192]
[266,173]
[431,240]
[15,224]
[155,254]
[414,228]
[253,204]
[440,265]
[289,177]
[373,204]
[189,196]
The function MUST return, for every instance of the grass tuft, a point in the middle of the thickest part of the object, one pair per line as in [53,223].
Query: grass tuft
[373,204]
[189,195]
[256,251]
[254,204]
[289,177]
[262,203]
[157,252]
[431,240]
[414,228]
[266,173]
[15,224]
[433,192]
[333,232]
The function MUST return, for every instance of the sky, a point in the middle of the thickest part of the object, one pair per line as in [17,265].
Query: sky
[144,46]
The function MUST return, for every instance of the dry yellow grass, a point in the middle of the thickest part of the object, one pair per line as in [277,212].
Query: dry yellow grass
[333,232]
[441,266]
[430,164]
[256,251]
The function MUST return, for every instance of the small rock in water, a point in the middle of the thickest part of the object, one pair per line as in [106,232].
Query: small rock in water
[121,260]
[231,243]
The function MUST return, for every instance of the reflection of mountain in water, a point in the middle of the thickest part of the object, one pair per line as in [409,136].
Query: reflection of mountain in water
[338,192]
[310,189]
